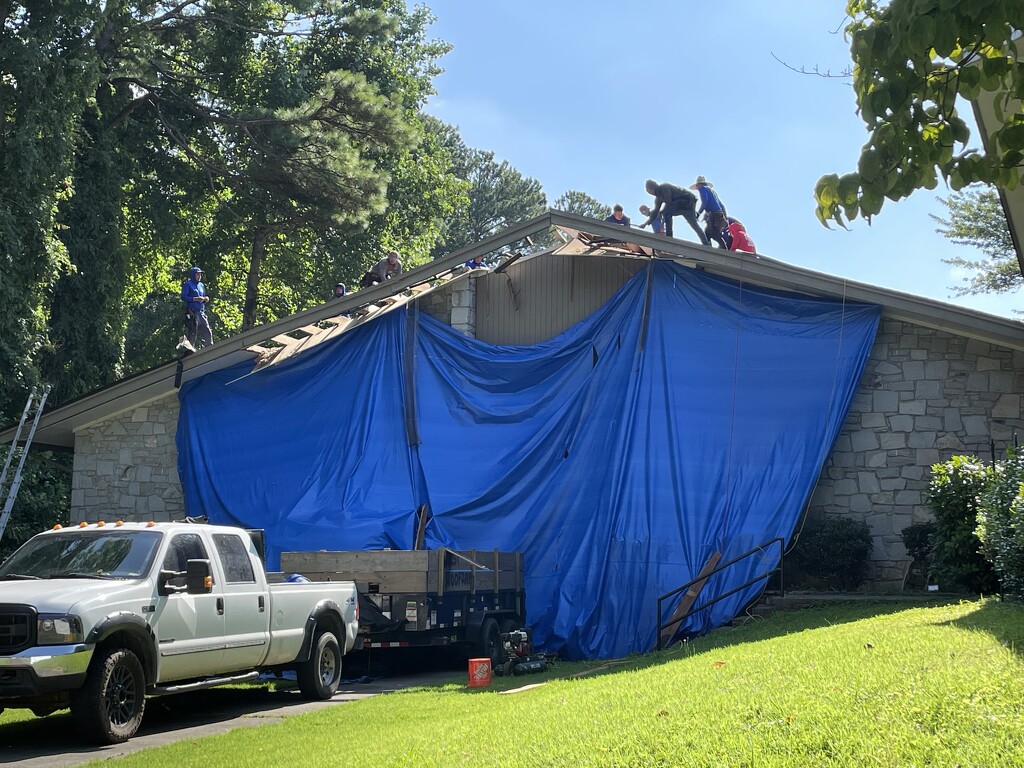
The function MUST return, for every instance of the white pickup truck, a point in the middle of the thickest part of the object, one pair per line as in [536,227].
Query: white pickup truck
[101,615]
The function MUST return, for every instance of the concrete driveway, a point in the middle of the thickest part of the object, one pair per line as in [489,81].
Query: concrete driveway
[48,742]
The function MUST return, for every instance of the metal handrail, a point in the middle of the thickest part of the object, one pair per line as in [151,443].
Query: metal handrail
[704,577]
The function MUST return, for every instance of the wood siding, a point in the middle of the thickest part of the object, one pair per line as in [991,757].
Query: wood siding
[553,293]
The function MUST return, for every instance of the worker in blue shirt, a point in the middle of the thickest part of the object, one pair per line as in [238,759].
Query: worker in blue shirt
[617,217]
[713,209]
[193,293]
[658,223]
[477,262]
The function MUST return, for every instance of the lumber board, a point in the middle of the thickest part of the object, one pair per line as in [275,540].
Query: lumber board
[689,597]
[356,561]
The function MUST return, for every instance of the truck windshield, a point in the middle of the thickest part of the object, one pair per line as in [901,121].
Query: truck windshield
[84,554]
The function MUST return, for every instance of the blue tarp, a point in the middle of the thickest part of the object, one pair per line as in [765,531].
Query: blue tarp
[689,415]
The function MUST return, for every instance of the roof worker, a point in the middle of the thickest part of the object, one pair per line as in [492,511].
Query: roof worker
[340,290]
[669,201]
[477,262]
[740,239]
[193,293]
[713,209]
[383,270]
[617,217]
[658,225]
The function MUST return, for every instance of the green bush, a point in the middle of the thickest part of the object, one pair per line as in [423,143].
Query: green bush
[919,541]
[953,494]
[1001,523]
[832,553]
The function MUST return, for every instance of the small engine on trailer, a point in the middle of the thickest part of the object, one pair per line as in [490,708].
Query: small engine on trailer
[516,656]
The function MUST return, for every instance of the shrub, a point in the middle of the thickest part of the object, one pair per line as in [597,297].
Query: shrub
[1001,523]
[953,494]
[833,552]
[918,539]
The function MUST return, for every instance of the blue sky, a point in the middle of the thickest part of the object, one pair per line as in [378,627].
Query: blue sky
[600,96]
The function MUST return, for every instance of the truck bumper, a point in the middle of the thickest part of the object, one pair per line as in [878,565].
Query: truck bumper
[42,670]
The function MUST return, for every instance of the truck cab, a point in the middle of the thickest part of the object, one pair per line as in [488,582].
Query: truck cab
[99,616]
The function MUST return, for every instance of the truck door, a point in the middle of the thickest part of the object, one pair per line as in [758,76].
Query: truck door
[189,628]
[246,605]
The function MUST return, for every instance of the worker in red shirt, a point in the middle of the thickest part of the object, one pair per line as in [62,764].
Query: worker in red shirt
[740,240]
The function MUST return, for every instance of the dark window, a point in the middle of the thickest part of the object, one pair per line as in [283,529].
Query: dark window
[234,555]
[184,547]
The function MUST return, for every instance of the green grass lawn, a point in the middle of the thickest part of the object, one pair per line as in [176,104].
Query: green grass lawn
[825,686]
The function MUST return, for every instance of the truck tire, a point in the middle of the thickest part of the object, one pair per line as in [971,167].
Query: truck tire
[108,708]
[490,641]
[319,675]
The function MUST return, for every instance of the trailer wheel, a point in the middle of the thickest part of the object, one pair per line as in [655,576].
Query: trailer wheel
[490,641]
[108,708]
[319,675]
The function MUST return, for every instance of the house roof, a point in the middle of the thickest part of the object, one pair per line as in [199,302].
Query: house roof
[291,335]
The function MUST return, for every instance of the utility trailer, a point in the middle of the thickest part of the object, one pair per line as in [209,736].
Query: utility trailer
[427,597]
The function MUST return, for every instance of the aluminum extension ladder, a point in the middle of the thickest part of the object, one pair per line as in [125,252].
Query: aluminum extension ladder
[33,408]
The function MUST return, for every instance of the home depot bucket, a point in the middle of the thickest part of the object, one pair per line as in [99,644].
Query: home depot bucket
[479,673]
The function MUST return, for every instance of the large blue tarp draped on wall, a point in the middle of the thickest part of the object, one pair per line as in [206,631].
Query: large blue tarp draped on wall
[689,415]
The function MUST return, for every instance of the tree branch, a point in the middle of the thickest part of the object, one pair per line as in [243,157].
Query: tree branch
[827,74]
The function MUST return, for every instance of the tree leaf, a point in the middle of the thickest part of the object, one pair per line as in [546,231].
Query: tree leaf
[1011,137]
[1013,158]
[870,165]
[922,33]
[846,192]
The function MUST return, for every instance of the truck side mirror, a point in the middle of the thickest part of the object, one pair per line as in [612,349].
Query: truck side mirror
[163,584]
[198,577]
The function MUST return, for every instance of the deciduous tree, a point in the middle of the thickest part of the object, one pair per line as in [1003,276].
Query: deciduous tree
[912,60]
[47,74]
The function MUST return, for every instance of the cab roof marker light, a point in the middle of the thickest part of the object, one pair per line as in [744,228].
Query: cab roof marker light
[100,523]
[150,524]
[83,524]
[119,523]
[56,527]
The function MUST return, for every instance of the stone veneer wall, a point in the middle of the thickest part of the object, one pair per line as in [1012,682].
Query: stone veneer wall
[454,304]
[126,467]
[925,395]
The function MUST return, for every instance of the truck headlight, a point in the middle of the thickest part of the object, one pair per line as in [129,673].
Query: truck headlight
[58,629]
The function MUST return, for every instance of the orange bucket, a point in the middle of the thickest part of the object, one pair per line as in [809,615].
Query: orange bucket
[479,673]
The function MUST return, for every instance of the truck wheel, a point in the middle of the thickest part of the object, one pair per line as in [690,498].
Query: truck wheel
[319,676]
[490,641]
[108,708]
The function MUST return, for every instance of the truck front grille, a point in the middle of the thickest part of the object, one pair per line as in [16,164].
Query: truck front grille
[17,628]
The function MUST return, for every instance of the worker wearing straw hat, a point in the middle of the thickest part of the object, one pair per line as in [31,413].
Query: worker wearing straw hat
[713,209]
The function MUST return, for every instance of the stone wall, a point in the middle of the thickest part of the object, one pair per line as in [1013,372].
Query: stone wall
[925,395]
[126,467]
[454,304]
